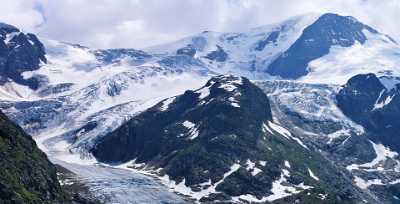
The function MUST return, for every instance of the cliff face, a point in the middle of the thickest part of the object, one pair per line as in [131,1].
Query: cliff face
[19,52]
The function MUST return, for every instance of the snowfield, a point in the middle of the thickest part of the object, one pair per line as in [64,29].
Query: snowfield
[85,94]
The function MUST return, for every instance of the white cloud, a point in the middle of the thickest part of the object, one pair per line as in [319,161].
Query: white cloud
[141,23]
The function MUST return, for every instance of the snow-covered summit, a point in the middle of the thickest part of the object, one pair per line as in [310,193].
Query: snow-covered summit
[316,48]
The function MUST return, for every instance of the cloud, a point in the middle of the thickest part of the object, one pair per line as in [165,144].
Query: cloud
[21,13]
[142,23]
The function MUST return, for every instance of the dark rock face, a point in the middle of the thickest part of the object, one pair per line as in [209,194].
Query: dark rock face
[188,50]
[271,38]
[367,101]
[19,52]
[220,107]
[178,62]
[109,56]
[199,136]
[26,174]
[218,55]
[315,42]
[55,89]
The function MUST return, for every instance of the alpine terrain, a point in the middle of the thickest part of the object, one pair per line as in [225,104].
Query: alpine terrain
[302,111]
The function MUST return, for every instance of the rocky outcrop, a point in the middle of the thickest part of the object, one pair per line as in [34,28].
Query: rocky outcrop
[315,41]
[19,52]
[374,103]
[220,143]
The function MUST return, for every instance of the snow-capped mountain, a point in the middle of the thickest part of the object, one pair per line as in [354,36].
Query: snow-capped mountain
[343,125]
[374,103]
[73,99]
[313,48]
[206,142]
[19,52]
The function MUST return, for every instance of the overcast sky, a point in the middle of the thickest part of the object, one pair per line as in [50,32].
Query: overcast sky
[142,23]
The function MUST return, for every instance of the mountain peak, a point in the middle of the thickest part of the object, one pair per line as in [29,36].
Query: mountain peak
[316,40]
[8,28]
[208,112]
[336,16]
[210,140]
[19,52]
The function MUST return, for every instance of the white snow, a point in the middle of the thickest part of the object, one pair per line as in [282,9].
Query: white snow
[251,167]
[10,36]
[136,89]
[71,64]
[299,142]
[287,164]
[228,87]
[11,91]
[166,102]
[256,171]
[382,153]
[263,163]
[240,47]
[338,134]
[188,124]
[284,132]
[313,102]
[231,85]
[389,82]
[279,129]
[193,131]
[323,196]
[383,103]
[312,174]
[364,184]
[185,190]
[204,92]
[234,102]
[279,189]
[377,54]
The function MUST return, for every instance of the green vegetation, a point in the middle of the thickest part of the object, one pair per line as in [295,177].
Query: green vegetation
[26,174]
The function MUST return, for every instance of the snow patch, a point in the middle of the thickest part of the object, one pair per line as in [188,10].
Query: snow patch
[251,167]
[166,103]
[188,124]
[10,36]
[312,174]
[382,153]
[185,190]
[193,131]
[389,82]
[364,184]
[284,132]
[280,188]
[263,163]
[287,164]
[377,54]
[383,103]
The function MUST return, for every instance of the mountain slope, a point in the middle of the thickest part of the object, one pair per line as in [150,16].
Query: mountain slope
[19,52]
[244,53]
[26,174]
[220,143]
[315,41]
[70,115]
[375,103]
[327,48]
[313,113]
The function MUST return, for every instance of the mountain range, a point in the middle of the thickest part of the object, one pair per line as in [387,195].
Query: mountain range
[303,111]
